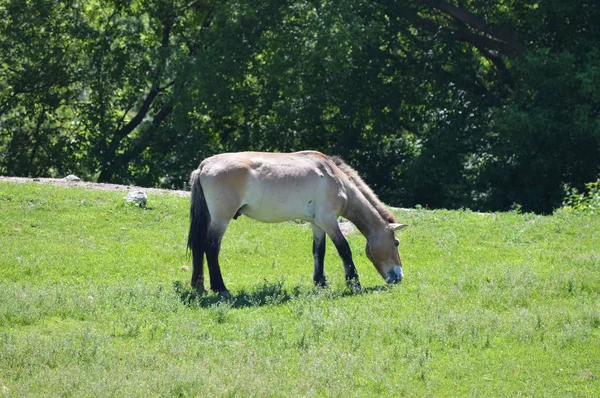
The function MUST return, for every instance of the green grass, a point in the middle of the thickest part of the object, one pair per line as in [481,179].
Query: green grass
[93,302]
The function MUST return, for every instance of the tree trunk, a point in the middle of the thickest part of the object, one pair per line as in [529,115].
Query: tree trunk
[110,162]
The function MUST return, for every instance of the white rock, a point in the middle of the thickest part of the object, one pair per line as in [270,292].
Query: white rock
[137,197]
[72,177]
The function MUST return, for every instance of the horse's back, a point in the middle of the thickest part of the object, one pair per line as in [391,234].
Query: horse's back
[271,187]
[255,159]
[266,165]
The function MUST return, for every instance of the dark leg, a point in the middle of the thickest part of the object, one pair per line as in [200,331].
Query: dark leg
[197,274]
[319,256]
[343,248]
[213,247]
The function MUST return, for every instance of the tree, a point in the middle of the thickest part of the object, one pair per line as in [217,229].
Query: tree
[481,104]
[547,133]
[39,68]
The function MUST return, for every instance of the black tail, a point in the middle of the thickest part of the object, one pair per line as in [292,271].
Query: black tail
[199,223]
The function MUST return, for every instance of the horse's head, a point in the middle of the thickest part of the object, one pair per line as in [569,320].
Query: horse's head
[382,250]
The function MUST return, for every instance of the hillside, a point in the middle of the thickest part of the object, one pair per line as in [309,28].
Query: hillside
[95,301]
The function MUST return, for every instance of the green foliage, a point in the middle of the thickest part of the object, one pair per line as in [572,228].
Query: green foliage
[93,302]
[548,134]
[587,202]
[488,112]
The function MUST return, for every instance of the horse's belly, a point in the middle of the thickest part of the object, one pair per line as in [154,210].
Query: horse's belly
[271,203]
[273,211]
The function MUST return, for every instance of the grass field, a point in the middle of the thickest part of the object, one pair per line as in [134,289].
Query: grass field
[94,302]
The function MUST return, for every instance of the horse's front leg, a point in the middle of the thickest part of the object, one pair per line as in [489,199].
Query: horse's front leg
[319,242]
[213,247]
[343,248]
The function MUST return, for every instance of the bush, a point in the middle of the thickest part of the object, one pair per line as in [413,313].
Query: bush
[587,202]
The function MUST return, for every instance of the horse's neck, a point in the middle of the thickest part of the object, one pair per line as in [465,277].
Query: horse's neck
[362,213]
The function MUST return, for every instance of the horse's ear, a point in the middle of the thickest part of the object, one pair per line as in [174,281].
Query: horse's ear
[397,227]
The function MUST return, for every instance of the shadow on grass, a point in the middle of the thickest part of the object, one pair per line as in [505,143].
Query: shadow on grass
[267,293]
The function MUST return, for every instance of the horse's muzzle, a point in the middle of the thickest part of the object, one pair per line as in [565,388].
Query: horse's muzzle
[395,275]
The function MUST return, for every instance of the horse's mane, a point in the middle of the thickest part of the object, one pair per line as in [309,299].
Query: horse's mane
[364,189]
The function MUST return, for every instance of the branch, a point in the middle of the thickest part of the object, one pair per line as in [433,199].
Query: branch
[199,5]
[193,47]
[154,91]
[501,33]
[146,137]
[122,119]
[166,86]
[481,42]
[489,48]
[135,121]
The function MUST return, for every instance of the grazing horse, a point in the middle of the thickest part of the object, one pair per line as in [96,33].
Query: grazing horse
[276,187]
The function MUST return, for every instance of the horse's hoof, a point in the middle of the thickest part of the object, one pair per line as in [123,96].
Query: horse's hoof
[322,285]
[224,294]
[355,287]
[200,291]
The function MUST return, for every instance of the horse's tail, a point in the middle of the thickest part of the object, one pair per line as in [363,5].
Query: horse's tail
[199,223]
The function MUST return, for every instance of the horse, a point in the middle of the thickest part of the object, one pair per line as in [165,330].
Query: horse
[277,187]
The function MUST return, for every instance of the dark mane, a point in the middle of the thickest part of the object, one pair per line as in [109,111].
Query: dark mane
[364,189]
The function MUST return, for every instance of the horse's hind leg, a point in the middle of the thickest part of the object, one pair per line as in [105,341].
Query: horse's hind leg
[319,256]
[197,277]
[213,247]
[224,187]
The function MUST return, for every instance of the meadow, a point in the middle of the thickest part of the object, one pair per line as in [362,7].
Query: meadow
[95,301]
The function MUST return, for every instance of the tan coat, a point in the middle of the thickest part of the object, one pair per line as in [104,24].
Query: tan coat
[307,185]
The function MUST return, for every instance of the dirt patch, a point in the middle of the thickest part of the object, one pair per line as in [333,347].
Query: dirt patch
[347,227]
[93,185]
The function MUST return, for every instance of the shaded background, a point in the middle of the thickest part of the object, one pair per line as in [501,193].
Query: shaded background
[488,105]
